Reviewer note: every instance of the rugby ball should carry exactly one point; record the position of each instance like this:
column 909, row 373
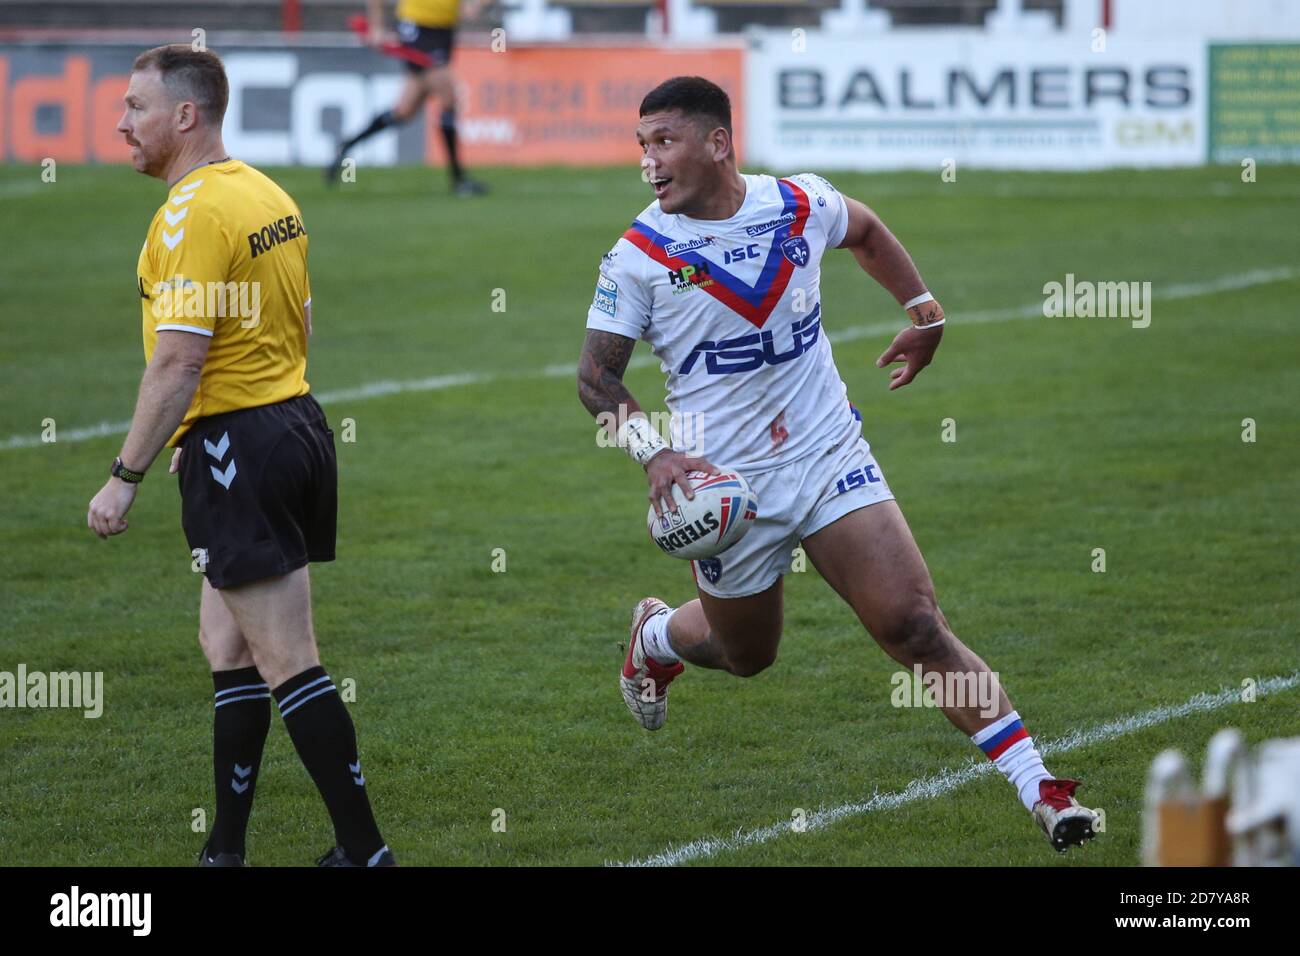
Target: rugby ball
column 723, row 509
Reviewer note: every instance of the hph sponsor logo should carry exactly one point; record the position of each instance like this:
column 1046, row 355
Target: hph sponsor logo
column 74, row 908
column 1103, row 300
column 178, row 299
column 953, row 689
column 690, row 277
column 72, row 689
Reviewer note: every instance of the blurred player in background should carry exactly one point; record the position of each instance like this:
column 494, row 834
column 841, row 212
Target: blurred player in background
column 721, row 276
column 427, row 26
column 225, row 384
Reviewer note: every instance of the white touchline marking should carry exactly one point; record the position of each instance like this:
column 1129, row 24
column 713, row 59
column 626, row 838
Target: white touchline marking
column 1188, row 290
column 950, row 778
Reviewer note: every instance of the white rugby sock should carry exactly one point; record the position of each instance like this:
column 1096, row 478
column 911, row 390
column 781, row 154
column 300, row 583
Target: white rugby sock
column 1012, row 750
column 654, row 638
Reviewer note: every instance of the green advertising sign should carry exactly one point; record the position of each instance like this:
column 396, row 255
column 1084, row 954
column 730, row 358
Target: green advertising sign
column 1254, row 102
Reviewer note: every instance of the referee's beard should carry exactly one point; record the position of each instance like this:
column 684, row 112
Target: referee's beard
column 157, row 157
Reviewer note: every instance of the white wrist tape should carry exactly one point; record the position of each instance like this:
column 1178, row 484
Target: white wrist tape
column 923, row 297
column 637, row 436
column 929, row 325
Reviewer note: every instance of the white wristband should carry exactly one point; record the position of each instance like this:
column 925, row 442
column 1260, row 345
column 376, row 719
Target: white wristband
column 923, row 297
column 929, row 325
column 639, row 439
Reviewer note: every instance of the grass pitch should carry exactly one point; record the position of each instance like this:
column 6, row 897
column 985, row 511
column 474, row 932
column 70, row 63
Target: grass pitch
column 479, row 691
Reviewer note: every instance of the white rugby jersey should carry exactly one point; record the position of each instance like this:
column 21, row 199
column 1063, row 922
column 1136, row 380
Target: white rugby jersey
column 732, row 309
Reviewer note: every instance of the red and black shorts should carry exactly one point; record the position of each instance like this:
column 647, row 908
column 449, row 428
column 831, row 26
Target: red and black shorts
column 259, row 491
column 436, row 42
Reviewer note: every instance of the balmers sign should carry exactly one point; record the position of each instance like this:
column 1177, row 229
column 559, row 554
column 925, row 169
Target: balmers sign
column 910, row 100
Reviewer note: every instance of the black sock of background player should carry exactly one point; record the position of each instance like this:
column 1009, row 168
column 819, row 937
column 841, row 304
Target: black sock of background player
column 380, row 123
column 240, row 720
column 325, row 739
column 448, row 126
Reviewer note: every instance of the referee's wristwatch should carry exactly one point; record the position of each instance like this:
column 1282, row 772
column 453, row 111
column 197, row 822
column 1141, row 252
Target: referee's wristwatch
column 120, row 470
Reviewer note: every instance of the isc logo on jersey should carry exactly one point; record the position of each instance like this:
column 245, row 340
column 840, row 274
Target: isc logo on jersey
column 717, row 517
column 746, row 353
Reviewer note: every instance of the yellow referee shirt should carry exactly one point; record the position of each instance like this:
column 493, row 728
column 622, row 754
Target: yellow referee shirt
column 429, row 13
column 226, row 257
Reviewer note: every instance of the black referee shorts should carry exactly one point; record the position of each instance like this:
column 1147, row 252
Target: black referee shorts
column 435, row 41
column 259, row 491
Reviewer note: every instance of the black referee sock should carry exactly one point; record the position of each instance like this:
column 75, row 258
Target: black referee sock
column 380, row 123
column 240, row 720
column 448, row 126
column 325, row 739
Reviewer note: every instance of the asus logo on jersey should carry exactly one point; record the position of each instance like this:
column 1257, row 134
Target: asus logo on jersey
column 688, row 277
column 746, row 353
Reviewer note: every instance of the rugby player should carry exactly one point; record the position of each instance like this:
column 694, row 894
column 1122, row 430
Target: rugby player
column 227, row 314
column 720, row 275
column 430, row 27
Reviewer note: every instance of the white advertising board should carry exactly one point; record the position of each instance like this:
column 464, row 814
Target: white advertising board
column 918, row 100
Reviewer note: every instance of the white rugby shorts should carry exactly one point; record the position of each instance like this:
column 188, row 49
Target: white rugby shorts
column 794, row 501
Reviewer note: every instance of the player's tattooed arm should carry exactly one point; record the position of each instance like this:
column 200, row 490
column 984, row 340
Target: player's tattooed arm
column 600, row 386
column 600, row 376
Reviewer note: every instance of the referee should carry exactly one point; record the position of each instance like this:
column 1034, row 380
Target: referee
column 430, row 27
column 227, row 312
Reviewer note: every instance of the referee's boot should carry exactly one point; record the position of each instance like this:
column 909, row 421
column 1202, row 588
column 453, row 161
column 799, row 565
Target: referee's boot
column 337, row 857
column 466, row 186
column 208, row 858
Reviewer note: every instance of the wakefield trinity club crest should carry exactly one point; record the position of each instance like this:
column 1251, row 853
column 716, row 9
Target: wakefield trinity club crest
column 796, row 250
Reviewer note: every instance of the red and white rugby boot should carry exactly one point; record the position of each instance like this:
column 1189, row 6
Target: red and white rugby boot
column 1065, row 822
column 644, row 681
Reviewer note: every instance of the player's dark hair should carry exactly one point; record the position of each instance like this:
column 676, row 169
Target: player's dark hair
column 694, row 96
column 190, row 74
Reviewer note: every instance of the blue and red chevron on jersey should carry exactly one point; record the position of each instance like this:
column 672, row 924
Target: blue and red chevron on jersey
column 753, row 303
column 737, row 300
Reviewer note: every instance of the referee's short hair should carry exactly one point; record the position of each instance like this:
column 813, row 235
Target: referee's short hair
column 190, row 74
column 695, row 96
